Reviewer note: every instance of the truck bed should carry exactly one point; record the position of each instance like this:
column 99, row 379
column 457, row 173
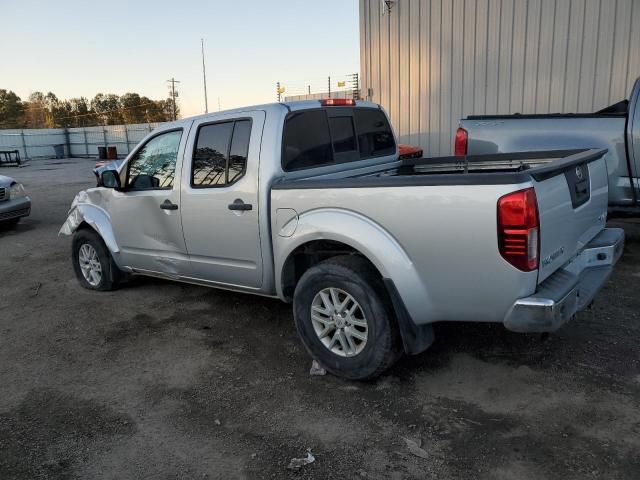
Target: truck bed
column 495, row 169
column 440, row 216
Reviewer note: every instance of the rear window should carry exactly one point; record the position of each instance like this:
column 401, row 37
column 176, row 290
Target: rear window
column 307, row 142
column 315, row 138
column 342, row 134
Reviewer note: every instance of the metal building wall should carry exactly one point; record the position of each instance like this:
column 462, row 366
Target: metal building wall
column 431, row 62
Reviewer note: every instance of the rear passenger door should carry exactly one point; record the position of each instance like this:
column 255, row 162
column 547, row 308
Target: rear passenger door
column 220, row 209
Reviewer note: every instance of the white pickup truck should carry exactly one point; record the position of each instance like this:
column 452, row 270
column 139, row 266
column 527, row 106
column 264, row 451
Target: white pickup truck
column 308, row 202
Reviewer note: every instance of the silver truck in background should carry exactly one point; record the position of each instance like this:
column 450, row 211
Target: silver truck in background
column 308, row 202
column 616, row 128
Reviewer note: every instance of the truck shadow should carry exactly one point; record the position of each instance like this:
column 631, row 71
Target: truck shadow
column 485, row 341
column 8, row 229
column 576, row 347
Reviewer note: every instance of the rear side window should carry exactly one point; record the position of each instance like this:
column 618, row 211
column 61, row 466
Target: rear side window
column 307, row 143
column 375, row 138
column 220, row 156
column 315, row 138
column 239, row 150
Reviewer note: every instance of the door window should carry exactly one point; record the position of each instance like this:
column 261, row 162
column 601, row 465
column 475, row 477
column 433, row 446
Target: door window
column 154, row 165
column 239, row 150
column 220, row 156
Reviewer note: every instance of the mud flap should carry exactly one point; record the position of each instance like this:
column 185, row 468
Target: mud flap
column 415, row 338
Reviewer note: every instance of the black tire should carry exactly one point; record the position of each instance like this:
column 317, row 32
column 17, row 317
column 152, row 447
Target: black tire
column 357, row 277
column 111, row 275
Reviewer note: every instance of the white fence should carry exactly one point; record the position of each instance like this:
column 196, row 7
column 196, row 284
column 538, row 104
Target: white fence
column 75, row 142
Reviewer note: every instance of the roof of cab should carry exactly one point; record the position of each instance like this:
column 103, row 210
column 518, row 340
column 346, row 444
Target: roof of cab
column 291, row 106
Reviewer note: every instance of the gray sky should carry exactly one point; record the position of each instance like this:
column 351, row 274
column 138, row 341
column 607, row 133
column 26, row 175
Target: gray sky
column 75, row 48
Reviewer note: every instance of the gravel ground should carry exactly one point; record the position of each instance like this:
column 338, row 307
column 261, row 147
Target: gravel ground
column 165, row 380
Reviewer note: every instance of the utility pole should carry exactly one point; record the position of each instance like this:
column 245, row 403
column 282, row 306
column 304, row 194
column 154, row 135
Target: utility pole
column 174, row 94
column 204, row 78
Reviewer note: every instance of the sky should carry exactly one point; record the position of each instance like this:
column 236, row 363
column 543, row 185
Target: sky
column 79, row 48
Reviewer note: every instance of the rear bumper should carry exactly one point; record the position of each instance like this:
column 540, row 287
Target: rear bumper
column 11, row 209
column 570, row 289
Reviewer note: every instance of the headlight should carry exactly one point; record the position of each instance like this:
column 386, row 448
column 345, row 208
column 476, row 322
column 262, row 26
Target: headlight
column 16, row 190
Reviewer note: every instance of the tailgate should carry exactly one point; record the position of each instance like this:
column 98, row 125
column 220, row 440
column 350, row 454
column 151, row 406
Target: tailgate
column 572, row 198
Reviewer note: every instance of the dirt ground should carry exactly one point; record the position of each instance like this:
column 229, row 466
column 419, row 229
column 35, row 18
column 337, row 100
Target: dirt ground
column 166, row 380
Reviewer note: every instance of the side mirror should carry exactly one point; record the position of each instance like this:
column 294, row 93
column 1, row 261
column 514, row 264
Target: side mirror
column 110, row 179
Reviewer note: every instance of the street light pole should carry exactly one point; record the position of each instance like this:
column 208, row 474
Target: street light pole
column 204, row 79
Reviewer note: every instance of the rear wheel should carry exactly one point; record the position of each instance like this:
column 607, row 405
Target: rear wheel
column 344, row 319
column 92, row 262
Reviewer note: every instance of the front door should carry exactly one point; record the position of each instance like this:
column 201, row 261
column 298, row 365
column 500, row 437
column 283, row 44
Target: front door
column 220, row 207
column 145, row 214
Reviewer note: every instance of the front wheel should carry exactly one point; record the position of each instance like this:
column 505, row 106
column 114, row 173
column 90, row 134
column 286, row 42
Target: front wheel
column 343, row 316
column 92, row 262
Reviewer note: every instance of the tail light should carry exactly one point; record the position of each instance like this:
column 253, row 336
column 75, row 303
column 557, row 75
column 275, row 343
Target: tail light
column 519, row 230
column 337, row 102
column 460, row 147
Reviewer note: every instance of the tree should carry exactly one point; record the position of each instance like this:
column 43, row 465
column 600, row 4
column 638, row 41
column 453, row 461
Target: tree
column 11, row 110
column 53, row 111
column 107, row 109
column 35, row 111
column 83, row 115
column 133, row 108
column 168, row 109
column 48, row 111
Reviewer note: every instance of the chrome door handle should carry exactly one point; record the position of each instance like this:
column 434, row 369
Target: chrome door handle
column 167, row 205
column 238, row 204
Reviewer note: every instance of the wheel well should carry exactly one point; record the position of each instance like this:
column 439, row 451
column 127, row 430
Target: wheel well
column 84, row 226
column 309, row 254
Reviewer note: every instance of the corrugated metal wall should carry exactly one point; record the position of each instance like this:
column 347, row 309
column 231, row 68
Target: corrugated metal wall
column 431, row 62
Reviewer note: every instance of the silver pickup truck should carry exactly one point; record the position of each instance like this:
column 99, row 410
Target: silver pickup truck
column 308, row 202
column 616, row 128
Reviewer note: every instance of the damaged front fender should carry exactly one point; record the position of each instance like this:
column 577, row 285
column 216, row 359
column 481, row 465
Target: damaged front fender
column 94, row 216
